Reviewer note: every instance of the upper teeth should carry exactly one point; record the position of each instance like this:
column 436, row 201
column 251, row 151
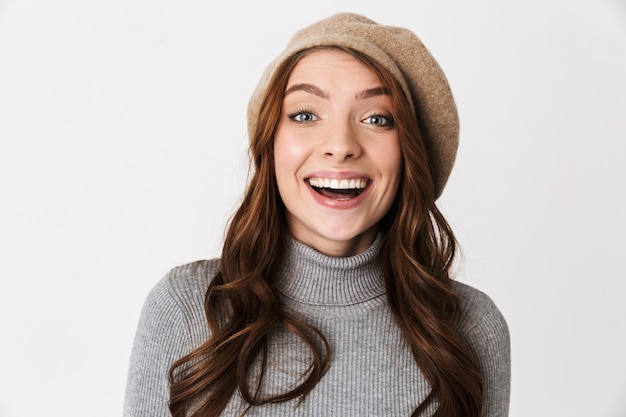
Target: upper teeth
column 338, row 184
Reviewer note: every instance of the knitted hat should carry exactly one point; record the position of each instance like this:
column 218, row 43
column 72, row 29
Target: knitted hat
column 407, row 59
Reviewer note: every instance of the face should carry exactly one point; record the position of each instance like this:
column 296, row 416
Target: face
column 337, row 153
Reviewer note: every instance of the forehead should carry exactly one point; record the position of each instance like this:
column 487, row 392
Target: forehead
column 332, row 64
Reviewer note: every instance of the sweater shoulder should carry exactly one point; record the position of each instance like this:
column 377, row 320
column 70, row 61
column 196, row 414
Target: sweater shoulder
column 186, row 285
column 171, row 324
column 486, row 332
column 477, row 310
column 190, row 281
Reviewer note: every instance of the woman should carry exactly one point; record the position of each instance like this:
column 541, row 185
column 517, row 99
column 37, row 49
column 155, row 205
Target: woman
column 333, row 293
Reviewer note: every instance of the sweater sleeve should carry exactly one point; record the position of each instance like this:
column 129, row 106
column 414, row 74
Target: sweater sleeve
column 159, row 341
column 487, row 333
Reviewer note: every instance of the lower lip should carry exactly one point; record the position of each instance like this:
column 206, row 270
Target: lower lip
column 338, row 204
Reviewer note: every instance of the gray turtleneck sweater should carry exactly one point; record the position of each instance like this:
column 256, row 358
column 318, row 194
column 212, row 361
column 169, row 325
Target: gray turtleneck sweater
column 372, row 373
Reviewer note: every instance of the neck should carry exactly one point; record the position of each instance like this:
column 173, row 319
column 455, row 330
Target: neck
column 337, row 247
column 311, row 277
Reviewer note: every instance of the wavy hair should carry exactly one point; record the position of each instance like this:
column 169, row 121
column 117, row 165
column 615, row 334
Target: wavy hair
column 243, row 309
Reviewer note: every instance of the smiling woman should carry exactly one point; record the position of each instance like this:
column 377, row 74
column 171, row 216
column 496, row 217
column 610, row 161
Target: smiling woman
column 333, row 294
column 337, row 153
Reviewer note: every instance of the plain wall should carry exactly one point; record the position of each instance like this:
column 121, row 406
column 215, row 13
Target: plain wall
column 123, row 154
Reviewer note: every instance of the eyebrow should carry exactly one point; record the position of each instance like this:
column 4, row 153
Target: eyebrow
column 309, row 88
column 372, row 92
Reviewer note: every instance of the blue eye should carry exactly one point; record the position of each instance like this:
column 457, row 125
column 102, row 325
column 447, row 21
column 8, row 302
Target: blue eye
column 379, row 120
column 303, row 117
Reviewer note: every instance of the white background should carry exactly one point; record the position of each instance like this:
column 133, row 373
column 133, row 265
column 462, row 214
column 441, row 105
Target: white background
column 122, row 154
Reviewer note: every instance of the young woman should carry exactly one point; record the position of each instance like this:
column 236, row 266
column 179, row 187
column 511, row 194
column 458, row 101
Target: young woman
column 333, row 294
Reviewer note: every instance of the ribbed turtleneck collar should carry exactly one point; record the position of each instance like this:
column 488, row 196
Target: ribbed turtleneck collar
column 310, row 277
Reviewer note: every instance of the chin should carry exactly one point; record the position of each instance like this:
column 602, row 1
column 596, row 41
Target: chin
column 350, row 236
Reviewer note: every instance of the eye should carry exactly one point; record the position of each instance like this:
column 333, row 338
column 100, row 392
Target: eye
column 379, row 120
column 303, row 116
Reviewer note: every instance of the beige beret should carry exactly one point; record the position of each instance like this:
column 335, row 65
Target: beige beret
column 407, row 59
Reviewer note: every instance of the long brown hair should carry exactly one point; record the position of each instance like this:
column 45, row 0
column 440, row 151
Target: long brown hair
column 243, row 308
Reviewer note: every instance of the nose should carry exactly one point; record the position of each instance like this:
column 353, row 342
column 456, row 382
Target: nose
column 341, row 143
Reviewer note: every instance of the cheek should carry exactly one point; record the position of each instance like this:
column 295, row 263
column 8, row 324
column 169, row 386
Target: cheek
column 390, row 162
column 394, row 175
column 287, row 159
column 290, row 150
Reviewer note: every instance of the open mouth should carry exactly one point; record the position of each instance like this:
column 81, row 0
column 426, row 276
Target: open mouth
column 339, row 189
